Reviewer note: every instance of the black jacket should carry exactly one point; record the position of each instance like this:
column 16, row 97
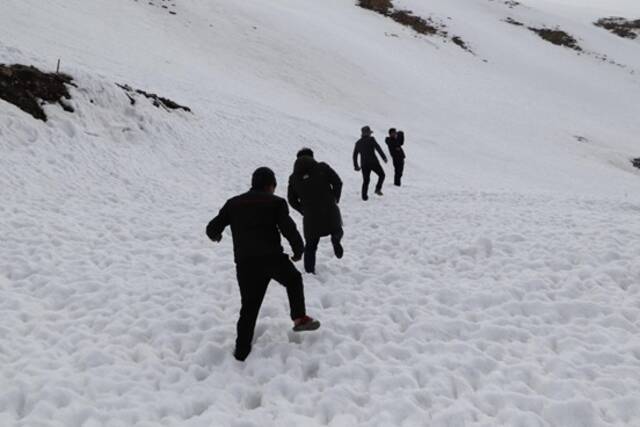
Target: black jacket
column 366, row 147
column 395, row 147
column 256, row 219
column 314, row 191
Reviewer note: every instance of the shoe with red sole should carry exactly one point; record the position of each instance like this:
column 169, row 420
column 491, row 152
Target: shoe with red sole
column 305, row 323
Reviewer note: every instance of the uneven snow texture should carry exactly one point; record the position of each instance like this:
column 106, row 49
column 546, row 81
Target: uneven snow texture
column 499, row 287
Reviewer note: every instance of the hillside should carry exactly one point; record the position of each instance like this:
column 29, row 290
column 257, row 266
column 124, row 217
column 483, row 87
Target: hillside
column 499, row 286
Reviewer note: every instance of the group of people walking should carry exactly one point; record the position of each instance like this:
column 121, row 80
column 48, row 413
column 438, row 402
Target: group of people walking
column 258, row 217
column 366, row 149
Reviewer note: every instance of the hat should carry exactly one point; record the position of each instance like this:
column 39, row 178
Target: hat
column 305, row 152
column 366, row 130
column 262, row 178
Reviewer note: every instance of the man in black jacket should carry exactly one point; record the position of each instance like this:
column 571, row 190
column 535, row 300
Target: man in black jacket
column 314, row 191
column 366, row 148
column 395, row 141
column 257, row 218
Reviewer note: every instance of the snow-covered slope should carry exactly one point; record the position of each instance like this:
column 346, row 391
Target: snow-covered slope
column 499, row 287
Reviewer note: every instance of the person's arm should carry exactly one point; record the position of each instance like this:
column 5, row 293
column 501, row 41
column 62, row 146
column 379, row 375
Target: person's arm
column 335, row 182
column 389, row 145
column 379, row 150
column 289, row 230
column 293, row 198
column 217, row 225
column 355, row 157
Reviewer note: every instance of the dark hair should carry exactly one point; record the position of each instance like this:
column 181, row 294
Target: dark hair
column 262, row 178
column 305, row 152
column 392, row 130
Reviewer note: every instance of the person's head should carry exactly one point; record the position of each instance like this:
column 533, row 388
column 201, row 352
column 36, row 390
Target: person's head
column 263, row 179
column 308, row 152
column 392, row 132
column 366, row 131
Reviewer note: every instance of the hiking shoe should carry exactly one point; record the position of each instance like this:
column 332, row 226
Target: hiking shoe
column 338, row 250
column 305, row 323
column 379, row 192
column 365, row 198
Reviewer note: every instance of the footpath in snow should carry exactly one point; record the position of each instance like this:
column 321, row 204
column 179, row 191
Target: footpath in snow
column 449, row 308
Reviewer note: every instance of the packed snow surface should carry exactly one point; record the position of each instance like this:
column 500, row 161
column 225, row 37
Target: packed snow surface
column 499, row 287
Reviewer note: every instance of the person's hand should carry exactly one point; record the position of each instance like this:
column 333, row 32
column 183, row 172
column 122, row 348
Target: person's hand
column 296, row 257
column 217, row 238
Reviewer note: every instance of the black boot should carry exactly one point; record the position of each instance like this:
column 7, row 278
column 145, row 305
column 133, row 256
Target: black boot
column 338, row 250
column 241, row 355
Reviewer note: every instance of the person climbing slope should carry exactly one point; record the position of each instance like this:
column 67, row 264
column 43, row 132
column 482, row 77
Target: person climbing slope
column 394, row 142
column 366, row 148
column 257, row 218
column 314, row 191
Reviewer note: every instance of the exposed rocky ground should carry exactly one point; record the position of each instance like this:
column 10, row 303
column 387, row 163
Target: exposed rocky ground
column 156, row 100
column 29, row 88
column 626, row 28
column 424, row 26
column 555, row 36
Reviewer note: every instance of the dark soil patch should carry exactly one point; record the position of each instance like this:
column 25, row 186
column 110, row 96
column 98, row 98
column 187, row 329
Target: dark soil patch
column 511, row 4
column 581, row 139
column 459, row 42
column 419, row 25
column 408, row 19
column 557, row 37
column 403, row 17
column 381, row 6
column 156, row 100
column 514, row 22
column 167, row 5
column 28, row 88
column 636, row 162
column 620, row 26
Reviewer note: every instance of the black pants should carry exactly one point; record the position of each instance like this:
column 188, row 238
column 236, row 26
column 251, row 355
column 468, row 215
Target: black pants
column 253, row 278
column 311, row 248
column 366, row 177
column 398, row 166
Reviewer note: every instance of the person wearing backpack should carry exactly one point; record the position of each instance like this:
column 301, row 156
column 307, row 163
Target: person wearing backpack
column 314, row 191
column 394, row 142
column 366, row 148
column 257, row 218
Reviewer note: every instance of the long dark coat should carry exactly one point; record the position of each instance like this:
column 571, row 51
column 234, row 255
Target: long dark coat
column 314, row 191
column 395, row 146
column 366, row 147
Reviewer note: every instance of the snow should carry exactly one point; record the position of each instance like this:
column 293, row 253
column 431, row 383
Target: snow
column 498, row 287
